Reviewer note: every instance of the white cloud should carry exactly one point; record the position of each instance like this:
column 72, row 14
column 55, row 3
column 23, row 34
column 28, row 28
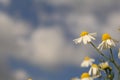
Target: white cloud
column 5, row 2
column 113, row 24
column 84, row 22
column 20, row 75
column 11, row 31
column 44, row 46
column 47, row 46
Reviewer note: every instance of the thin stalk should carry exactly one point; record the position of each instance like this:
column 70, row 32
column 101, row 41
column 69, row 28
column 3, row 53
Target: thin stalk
column 111, row 53
column 99, row 51
column 113, row 61
column 118, row 75
column 115, row 64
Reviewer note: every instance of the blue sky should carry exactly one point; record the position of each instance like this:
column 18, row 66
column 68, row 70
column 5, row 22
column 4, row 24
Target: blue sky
column 36, row 36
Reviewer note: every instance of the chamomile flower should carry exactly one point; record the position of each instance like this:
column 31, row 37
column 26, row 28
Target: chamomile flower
column 87, row 62
column 94, row 71
column 107, row 42
column 85, row 37
column 119, row 53
column 85, row 76
column 104, row 66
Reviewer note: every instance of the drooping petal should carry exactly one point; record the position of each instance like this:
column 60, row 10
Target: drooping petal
column 88, row 38
column 90, row 71
column 84, row 40
column 119, row 53
column 78, row 40
column 85, row 64
column 91, row 37
column 100, row 46
column 92, row 60
column 109, row 42
column 95, row 70
column 113, row 43
column 93, row 34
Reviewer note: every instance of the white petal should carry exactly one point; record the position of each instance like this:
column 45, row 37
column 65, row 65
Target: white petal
column 113, row 43
column 93, row 34
column 92, row 60
column 95, row 70
column 119, row 54
column 109, row 42
column 82, row 64
column 106, row 63
column 91, row 37
column 84, row 40
column 85, row 64
column 90, row 71
column 106, row 45
column 88, row 39
column 87, row 79
column 100, row 46
column 78, row 40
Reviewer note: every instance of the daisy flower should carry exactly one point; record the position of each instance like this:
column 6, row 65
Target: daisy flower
column 85, row 76
column 94, row 71
column 85, row 37
column 119, row 53
column 87, row 62
column 104, row 66
column 107, row 42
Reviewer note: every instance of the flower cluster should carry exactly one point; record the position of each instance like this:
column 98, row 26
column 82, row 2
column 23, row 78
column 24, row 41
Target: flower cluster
column 96, row 70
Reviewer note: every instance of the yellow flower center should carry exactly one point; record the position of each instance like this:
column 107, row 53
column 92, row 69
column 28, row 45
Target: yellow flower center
column 104, row 66
column 105, row 36
column 87, row 58
column 85, row 75
column 83, row 33
column 94, row 66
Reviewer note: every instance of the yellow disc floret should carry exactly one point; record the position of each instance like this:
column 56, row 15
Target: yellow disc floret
column 85, row 75
column 105, row 36
column 94, row 66
column 87, row 58
column 104, row 66
column 83, row 33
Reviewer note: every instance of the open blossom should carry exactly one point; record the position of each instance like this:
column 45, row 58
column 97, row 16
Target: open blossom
column 107, row 42
column 87, row 62
column 85, row 76
column 85, row 37
column 94, row 71
column 104, row 66
column 119, row 53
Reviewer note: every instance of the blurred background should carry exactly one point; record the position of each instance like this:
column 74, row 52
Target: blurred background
column 36, row 36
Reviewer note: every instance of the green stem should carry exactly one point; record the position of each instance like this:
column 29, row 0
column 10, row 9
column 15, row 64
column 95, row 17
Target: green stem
column 113, row 61
column 99, row 51
column 118, row 75
column 115, row 64
column 111, row 53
